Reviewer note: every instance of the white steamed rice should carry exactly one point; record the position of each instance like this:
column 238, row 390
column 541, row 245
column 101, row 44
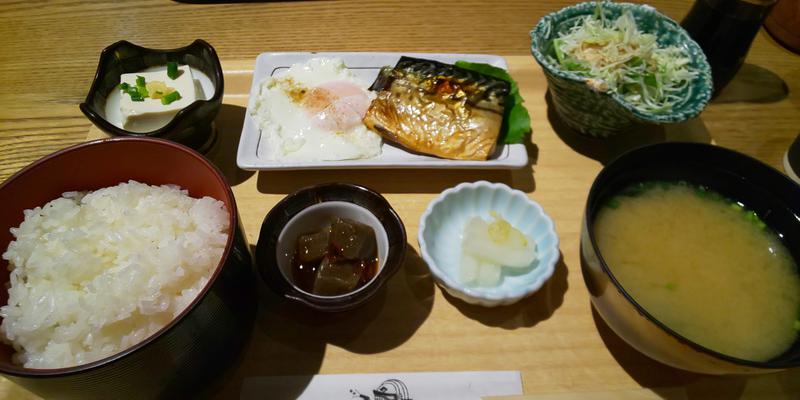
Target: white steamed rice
column 95, row 273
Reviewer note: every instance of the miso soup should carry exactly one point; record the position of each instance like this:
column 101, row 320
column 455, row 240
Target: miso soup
column 704, row 266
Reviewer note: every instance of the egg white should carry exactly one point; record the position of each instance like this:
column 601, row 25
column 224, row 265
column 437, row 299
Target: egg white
column 288, row 133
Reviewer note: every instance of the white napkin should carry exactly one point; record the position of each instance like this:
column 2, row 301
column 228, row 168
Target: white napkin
column 467, row 385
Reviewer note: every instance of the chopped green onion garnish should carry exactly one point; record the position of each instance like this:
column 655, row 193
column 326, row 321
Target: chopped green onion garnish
column 701, row 191
column 671, row 286
column 141, row 86
column 172, row 69
column 174, row 96
column 131, row 91
column 797, row 325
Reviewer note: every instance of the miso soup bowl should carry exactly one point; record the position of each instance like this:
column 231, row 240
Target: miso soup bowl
column 198, row 344
column 773, row 196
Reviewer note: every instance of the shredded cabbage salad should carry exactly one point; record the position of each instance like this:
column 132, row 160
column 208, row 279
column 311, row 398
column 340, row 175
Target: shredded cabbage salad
column 616, row 56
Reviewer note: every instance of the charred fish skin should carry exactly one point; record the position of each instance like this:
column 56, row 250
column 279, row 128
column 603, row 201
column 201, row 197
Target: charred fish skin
column 438, row 109
column 482, row 91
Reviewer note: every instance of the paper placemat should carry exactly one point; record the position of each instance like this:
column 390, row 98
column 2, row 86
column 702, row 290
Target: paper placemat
column 467, row 385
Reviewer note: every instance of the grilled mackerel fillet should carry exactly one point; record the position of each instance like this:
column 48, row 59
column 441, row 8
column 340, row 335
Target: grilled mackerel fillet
column 438, row 109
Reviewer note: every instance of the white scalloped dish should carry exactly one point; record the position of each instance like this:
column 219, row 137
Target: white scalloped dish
column 440, row 236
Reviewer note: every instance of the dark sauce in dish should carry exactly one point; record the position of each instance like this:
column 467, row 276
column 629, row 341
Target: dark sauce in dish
column 335, row 260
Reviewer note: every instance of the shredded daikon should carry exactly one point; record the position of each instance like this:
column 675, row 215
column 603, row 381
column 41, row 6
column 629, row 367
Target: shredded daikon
column 615, row 56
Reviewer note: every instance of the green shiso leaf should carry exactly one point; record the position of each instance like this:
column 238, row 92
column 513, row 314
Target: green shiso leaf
column 516, row 121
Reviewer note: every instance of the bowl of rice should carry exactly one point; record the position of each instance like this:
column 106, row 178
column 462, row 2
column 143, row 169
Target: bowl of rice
column 125, row 271
column 610, row 66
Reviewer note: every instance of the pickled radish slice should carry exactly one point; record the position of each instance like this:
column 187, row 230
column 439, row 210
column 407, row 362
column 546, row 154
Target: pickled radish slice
column 498, row 242
column 487, row 247
column 489, row 274
column 468, row 273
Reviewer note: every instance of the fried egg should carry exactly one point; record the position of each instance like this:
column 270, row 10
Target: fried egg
column 313, row 112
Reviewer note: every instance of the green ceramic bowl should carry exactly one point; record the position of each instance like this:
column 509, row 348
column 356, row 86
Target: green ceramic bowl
column 602, row 114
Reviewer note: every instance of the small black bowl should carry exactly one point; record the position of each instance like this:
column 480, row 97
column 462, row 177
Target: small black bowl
column 311, row 208
column 773, row 196
column 191, row 126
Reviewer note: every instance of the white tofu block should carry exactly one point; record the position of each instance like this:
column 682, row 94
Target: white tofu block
column 150, row 114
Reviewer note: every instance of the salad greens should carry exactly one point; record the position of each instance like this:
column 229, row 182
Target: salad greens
column 516, row 120
column 617, row 57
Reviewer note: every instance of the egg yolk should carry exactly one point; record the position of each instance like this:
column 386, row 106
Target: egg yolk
column 336, row 106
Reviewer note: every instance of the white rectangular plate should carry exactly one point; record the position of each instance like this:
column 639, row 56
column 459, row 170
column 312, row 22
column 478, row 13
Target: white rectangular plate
column 365, row 66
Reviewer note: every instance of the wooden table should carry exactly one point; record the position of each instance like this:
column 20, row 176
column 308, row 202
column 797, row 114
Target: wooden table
column 49, row 54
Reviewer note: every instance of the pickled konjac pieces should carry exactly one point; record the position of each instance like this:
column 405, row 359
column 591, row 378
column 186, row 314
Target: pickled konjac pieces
column 354, row 240
column 335, row 260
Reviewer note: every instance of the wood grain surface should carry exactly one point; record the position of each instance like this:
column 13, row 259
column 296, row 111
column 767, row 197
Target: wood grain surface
column 48, row 58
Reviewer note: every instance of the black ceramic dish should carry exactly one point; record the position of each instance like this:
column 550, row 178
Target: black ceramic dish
column 192, row 126
column 277, row 219
column 199, row 343
column 791, row 160
column 774, row 197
